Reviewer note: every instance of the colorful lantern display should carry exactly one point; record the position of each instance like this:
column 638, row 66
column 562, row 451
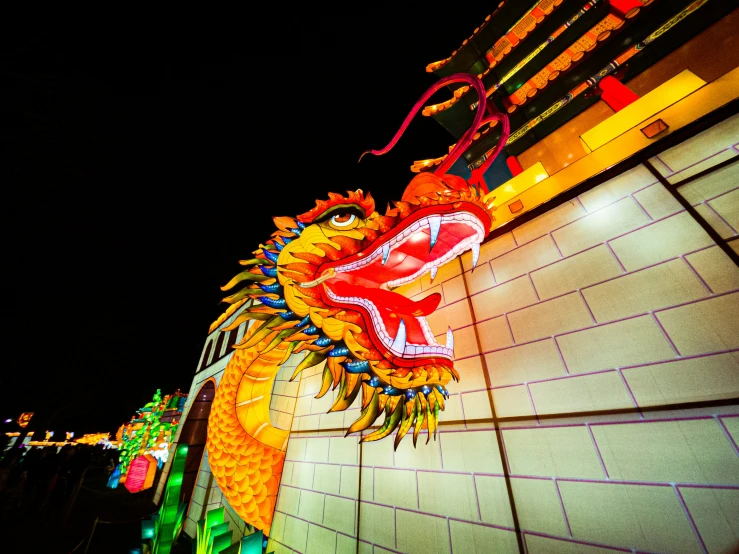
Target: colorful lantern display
column 161, row 531
column 322, row 285
column 150, row 430
column 213, row 536
column 93, row 438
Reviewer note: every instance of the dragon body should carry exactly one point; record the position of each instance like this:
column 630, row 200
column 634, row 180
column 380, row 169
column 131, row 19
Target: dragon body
column 322, row 285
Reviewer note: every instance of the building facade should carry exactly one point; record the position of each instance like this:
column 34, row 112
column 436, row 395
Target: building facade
column 597, row 338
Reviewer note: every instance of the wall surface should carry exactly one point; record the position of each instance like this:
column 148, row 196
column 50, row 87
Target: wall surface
column 601, row 338
column 598, row 346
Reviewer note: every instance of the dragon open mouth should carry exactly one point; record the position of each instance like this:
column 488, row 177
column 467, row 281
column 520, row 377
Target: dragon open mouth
column 422, row 243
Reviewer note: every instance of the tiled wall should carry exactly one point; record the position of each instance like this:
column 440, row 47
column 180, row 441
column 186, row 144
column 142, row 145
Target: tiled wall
column 603, row 337
column 715, row 196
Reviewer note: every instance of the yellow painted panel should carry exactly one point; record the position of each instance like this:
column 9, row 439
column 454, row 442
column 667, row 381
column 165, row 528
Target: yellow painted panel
column 521, row 182
column 703, row 101
column 669, row 92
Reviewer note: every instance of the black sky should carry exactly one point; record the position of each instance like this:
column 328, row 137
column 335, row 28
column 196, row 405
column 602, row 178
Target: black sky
column 143, row 157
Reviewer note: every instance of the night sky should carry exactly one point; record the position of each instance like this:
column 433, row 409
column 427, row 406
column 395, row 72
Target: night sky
column 144, row 156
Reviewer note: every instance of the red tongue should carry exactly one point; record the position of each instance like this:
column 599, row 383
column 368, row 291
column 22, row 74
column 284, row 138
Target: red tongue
column 391, row 301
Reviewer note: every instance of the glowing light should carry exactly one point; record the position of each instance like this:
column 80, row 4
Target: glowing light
column 150, row 430
column 161, row 531
column 114, row 478
column 668, row 93
column 141, row 473
column 25, row 419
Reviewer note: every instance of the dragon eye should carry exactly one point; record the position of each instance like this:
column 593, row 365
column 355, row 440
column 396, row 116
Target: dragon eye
column 342, row 219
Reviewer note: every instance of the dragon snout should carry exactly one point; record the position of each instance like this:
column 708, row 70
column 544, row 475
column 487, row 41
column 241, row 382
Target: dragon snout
column 425, row 184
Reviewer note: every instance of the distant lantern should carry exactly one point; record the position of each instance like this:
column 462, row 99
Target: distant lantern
column 25, row 419
column 141, row 473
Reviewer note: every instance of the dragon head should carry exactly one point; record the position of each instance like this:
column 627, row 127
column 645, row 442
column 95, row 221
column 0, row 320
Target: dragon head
column 325, row 279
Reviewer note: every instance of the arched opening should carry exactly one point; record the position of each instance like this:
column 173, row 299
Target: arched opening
column 204, row 363
column 219, row 344
column 231, row 341
column 194, row 433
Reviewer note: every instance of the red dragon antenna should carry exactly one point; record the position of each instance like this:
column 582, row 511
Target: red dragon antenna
column 466, row 139
column 495, row 115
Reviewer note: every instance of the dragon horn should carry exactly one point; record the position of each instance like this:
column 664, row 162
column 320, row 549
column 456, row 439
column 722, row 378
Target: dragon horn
column 466, row 139
column 504, row 134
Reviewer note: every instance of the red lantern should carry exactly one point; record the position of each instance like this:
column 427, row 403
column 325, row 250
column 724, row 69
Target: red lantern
column 616, row 94
column 514, row 165
column 141, row 473
column 626, row 8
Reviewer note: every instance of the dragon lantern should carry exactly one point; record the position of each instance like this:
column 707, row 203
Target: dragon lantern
column 323, row 285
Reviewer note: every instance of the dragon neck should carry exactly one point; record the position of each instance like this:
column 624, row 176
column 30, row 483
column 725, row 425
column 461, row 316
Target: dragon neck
column 250, row 375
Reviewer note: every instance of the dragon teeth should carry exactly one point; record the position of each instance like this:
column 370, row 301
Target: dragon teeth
column 434, row 226
column 475, row 253
column 399, row 342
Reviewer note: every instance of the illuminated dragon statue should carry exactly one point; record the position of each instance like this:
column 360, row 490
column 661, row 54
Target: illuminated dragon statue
column 323, row 286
